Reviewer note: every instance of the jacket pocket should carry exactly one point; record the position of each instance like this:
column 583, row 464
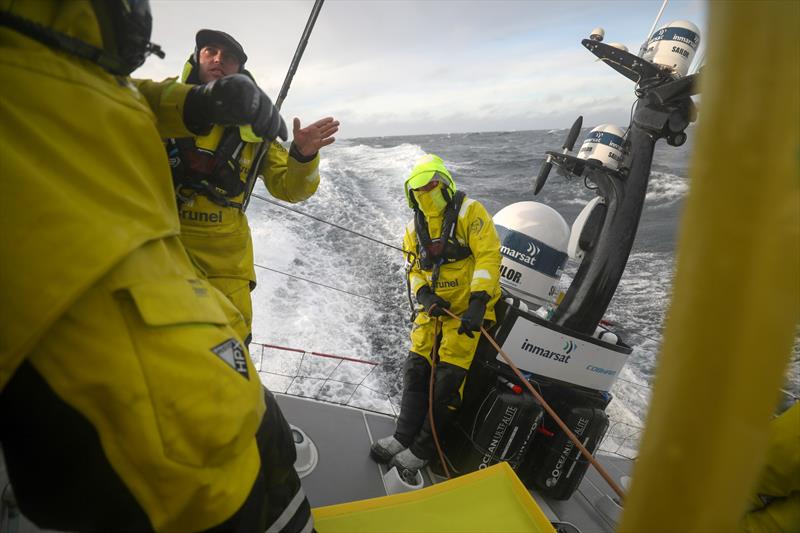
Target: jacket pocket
column 204, row 390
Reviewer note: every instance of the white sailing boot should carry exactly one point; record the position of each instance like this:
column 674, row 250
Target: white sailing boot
column 384, row 449
column 406, row 460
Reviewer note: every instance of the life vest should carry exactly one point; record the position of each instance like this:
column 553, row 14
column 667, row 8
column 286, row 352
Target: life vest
column 213, row 174
column 445, row 248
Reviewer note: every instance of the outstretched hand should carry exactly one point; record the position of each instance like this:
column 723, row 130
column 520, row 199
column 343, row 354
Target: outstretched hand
column 311, row 138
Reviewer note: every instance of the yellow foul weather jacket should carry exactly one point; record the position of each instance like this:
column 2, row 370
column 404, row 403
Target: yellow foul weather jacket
column 218, row 237
column 776, row 507
column 478, row 272
column 100, row 307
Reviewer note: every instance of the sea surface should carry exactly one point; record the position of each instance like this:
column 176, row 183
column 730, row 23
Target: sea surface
column 301, row 262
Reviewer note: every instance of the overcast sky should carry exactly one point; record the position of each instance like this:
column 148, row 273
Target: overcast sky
column 400, row 67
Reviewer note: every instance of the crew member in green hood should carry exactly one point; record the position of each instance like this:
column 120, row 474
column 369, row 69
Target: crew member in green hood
column 455, row 266
column 213, row 174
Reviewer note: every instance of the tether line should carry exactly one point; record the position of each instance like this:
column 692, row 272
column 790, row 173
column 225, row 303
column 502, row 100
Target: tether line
column 273, row 202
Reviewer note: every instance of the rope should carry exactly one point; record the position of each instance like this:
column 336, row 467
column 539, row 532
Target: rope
column 602, row 471
column 318, row 283
column 434, row 358
column 273, row 202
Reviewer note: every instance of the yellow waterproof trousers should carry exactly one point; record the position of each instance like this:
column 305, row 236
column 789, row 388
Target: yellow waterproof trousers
column 454, row 348
column 223, row 253
column 238, row 293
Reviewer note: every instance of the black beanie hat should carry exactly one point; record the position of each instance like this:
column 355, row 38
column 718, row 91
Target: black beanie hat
column 206, row 37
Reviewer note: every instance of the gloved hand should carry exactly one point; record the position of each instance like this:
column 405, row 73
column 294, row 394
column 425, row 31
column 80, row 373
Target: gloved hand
column 231, row 101
column 472, row 319
column 427, row 299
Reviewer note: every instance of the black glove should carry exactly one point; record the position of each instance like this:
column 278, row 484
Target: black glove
column 229, row 101
column 472, row 319
column 428, row 299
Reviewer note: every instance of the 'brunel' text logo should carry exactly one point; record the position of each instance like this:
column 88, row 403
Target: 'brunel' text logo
column 547, row 354
column 200, row 216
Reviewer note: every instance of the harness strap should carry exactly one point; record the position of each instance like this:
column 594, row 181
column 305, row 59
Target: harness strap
column 213, row 174
column 446, row 248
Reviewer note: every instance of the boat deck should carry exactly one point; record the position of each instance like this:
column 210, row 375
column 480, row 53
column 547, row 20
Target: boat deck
column 345, row 472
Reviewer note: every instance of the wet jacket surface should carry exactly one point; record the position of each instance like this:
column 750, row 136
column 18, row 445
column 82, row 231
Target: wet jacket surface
column 218, row 238
column 478, row 272
column 103, row 320
column 776, row 508
column 80, row 201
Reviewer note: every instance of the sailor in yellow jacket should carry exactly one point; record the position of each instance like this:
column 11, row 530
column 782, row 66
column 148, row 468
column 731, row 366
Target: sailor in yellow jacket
column 455, row 265
column 127, row 400
column 776, row 506
column 213, row 175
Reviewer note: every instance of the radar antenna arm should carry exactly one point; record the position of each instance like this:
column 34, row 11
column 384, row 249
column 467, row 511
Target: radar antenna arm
column 599, row 274
column 662, row 112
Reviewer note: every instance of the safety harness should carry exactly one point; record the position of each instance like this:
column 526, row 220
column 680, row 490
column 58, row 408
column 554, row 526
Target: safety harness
column 445, row 248
column 433, row 253
column 213, row 174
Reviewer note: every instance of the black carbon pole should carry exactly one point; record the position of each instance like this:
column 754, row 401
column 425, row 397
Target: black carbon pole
column 298, row 54
column 287, row 82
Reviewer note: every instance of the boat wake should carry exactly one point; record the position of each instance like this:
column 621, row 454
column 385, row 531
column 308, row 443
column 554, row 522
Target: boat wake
column 361, row 311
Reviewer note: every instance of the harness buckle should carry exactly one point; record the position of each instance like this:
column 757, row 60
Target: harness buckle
column 188, row 201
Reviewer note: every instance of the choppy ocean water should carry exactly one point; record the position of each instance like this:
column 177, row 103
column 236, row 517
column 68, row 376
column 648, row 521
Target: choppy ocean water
column 362, row 189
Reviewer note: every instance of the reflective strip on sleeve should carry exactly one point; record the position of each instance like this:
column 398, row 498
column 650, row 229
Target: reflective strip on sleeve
column 309, row 527
column 481, row 274
column 288, row 514
column 464, row 206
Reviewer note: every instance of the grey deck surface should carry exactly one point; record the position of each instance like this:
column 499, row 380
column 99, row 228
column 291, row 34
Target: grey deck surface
column 345, row 471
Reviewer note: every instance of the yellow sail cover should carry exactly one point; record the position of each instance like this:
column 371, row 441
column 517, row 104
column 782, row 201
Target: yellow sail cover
column 493, row 499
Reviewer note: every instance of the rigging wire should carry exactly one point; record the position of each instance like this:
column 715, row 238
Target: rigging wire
column 297, row 211
column 318, row 283
column 619, row 378
column 292, row 209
